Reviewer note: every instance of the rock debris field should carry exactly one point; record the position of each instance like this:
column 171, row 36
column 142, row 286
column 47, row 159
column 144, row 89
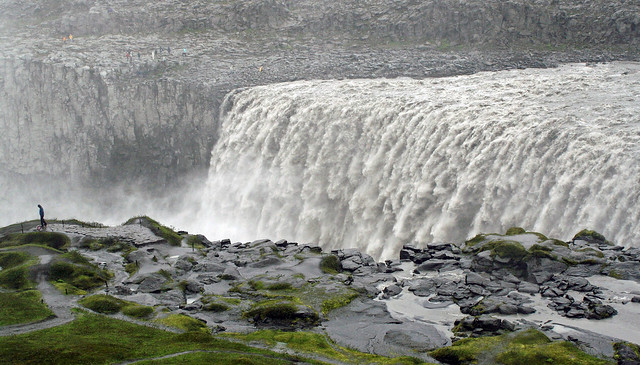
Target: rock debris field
column 586, row 291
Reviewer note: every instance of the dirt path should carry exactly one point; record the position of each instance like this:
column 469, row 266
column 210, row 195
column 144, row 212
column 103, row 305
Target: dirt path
column 57, row 302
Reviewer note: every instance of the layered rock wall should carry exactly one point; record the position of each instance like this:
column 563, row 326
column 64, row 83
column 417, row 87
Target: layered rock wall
column 74, row 122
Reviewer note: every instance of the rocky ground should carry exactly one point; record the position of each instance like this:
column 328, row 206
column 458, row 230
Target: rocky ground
column 586, row 291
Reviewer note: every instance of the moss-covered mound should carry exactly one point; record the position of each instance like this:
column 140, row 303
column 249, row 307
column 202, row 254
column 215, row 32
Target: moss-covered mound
column 525, row 347
column 107, row 304
column 50, row 239
column 76, row 271
column 282, row 313
column 330, row 264
column 15, row 270
column 184, row 323
column 22, row 307
column 591, row 237
column 172, row 237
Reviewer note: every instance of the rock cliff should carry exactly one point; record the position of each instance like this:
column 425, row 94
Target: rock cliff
column 112, row 90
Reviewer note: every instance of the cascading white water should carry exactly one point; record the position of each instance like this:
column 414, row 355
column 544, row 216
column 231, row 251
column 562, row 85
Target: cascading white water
column 375, row 164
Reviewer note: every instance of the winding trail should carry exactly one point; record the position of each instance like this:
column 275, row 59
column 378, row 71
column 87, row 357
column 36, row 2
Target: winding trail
column 57, row 302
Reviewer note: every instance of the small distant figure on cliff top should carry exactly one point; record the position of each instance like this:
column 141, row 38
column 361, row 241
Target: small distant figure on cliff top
column 260, row 69
column 169, row 50
column 64, row 39
column 153, row 54
column 43, row 223
column 70, row 37
column 184, row 51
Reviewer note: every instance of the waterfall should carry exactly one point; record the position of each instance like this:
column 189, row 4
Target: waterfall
column 376, row 164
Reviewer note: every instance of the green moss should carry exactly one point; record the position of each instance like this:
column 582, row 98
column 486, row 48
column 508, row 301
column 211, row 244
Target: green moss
column 84, row 277
column 183, row 322
column 76, row 257
column 131, row 268
column 526, row 347
column 541, row 251
column 330, row 264
column 227, row 277
column 13, row 259
column 338, row 301
column 548, row 353
column 618, row 346
column 515, row 231
column 16, row 278
column 475, row 240
column 560, row 243
column 280, row 286
column 49, row 239
column 215, row 307
column 593, row 251
column 166, row 274
column 590, row 236
column 506, row 249
column 317, row 344
column 256, row 284
column 272, row 310
column 102, row 303
column 569, row 261
column 96, row 339
column 68, row 289
column 616, row 275
column 22, row 307
column 137, row 311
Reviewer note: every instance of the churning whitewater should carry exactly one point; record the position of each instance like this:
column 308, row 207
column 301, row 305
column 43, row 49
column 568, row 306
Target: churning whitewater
column 375, row 164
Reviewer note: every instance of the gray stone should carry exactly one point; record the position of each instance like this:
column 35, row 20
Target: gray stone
column 429, row 266
column 269, row 261
column 391, row 290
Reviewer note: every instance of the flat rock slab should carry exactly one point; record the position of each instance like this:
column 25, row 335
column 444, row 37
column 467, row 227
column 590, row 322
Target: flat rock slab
column 133, row 233
column 369, row 327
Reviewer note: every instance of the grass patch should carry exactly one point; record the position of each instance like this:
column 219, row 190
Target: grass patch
column 81, row 276
column 272, row 309
column 131, row 268
column 476, row 239
column 314, row 343
column 67, row 288
column 95, row 339
column 219, row 358
column 102, row 303
column 280, row 286
column 515, row 231
column 591, row 236
column 13, row 259
column 527, row 347
column 137, row 311
column 50, row 239
column 541, row 251
column 215, row 307
column 16, row 278
column 330, row 264
column 22, row 307
column 183, row 322
column 338, row 301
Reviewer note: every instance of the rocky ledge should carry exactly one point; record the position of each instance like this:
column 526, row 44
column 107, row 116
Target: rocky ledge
column 585, row 291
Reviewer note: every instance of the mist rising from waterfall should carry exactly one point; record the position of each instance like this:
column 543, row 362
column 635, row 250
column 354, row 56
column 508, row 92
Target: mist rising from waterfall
column 375, row 164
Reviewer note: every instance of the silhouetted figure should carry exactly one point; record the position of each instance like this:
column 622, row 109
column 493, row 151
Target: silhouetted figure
column 43, row 223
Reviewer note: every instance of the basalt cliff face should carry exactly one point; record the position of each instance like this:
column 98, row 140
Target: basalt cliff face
column 70, row 121
column 135, row 94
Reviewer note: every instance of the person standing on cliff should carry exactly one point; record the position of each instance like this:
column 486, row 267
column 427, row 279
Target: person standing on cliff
column 43, row 223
